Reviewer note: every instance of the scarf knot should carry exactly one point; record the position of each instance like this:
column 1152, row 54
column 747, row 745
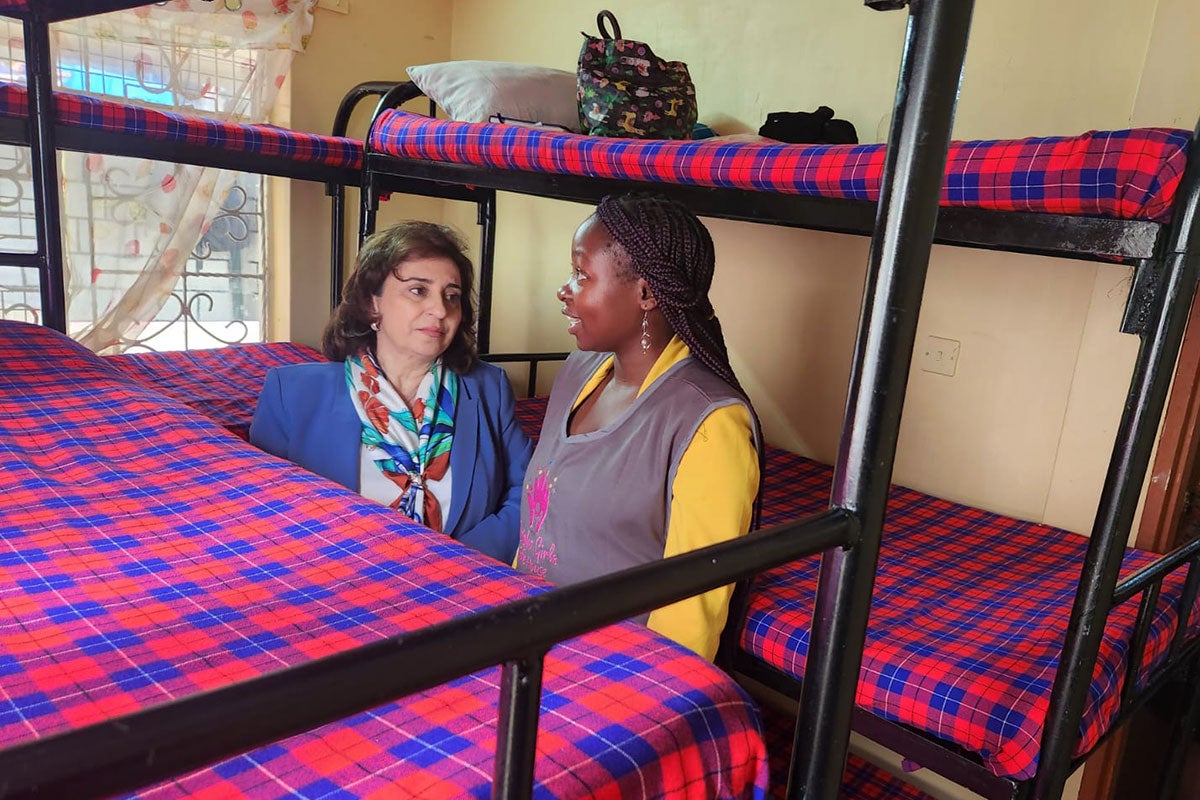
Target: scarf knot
column 410, row 447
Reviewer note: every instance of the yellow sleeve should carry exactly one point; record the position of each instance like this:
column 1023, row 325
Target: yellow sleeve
column 712, row 500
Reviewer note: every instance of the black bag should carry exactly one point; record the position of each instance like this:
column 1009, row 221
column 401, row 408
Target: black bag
column 808, row 127
column 624, row 90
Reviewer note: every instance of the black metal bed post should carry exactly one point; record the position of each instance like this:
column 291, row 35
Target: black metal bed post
column 337, row 191
column 337, row 241
column 368, row 202
column 43, row 157
column 368, row 196
column 1180, row 254
column 486, row 217
column 926, row 93
column 517, row 727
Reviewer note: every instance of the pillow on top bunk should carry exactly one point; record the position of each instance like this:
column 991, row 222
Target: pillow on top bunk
column 472, row 91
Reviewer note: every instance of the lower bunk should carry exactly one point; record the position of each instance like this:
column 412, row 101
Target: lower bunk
column 148, row 555
column 969, row 613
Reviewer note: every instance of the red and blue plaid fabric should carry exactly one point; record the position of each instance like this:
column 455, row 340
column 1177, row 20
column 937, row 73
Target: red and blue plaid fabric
column 967, row 622
column 223, row 383
column 1131, row 174
column 862, row 780
column 90, row 113
column 145, row 554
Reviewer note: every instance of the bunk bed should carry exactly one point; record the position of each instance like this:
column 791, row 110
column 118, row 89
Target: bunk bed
column 973, row 613
column 108, row 552
column 1164, row 259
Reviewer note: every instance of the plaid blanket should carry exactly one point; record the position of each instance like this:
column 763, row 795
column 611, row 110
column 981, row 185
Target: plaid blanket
column 967, row 622
column 1130, row 174
column 223, row 383
column 266, row 140
column 146, row 554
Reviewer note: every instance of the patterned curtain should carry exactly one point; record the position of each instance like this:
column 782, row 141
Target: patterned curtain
column 130, row 224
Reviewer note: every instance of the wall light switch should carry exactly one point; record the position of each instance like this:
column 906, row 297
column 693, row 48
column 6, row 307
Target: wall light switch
column 340, row 6
column 938, row 355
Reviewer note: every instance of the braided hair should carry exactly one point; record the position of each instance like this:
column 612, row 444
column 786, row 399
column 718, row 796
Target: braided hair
column 669, row 247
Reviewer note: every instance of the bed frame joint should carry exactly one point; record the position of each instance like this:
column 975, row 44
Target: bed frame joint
column 1144, row 298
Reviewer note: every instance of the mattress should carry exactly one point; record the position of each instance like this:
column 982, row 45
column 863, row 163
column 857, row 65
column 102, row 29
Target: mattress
column 146, row 554
column 223, row 383
column 967, row 623
column 90, row 113
column 1127, row 174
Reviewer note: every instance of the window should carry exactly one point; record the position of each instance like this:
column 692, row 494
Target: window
column 127, row 221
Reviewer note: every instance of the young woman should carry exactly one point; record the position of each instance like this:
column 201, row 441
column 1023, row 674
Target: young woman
column 407, row 414
column 648, row 447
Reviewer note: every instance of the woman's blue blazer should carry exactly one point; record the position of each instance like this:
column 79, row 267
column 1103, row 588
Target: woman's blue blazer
column 306, row 416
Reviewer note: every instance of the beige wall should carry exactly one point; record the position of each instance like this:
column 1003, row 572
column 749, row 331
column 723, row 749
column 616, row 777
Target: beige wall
column 1026, row 423
column 375, row 41
column 1170, row 82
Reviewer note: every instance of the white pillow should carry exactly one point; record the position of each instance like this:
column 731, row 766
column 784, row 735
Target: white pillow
column 472, row 91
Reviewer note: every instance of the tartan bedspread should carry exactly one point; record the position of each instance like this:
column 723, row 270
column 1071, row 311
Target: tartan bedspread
column 1130, row 174
column 145, row 554
column 223, row 383
column 91, row 113
column 967, row 622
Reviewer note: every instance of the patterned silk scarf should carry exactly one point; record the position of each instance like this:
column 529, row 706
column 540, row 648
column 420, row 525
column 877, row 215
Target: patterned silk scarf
column 410, row 448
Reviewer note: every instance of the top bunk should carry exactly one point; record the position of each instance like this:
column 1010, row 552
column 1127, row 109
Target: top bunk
column 96, row 125
column 58, row 10
column 1100, row 194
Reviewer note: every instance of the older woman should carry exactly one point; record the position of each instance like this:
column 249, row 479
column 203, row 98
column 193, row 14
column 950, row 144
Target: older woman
column 648, row 447
column 406, row 415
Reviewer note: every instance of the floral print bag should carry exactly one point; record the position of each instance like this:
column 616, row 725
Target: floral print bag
column 626, row 91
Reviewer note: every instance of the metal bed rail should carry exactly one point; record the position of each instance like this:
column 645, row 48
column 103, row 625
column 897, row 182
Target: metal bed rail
column 1148, row 581
column 49, row 253
column 926, row 93
column 141, row 748
column 532, row 359
column 1179, row 262
column 1012, row 231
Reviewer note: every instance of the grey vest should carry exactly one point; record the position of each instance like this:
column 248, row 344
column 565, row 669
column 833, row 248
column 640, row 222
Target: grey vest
column 598, row 502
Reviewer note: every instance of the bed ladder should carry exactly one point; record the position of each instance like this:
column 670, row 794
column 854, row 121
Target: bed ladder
column 47, row 259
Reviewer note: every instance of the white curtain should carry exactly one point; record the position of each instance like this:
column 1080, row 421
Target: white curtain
column 130, row 224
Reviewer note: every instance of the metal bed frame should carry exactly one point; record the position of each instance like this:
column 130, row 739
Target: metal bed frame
column 149, row 745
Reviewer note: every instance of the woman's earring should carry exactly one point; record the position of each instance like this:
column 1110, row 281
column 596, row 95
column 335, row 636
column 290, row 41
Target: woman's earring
column 645, row 331
column 375, row 325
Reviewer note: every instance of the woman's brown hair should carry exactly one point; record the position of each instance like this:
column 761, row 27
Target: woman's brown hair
column 349, row 333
